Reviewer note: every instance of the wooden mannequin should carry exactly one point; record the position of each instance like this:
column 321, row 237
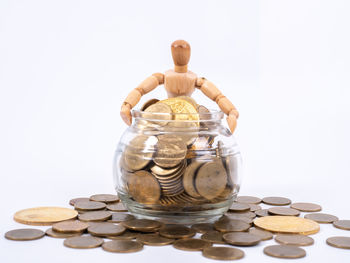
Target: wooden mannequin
column 180, row 82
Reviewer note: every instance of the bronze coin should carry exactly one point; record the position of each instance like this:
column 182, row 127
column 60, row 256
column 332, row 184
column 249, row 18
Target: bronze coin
column 263, row 234
column 122, row 246
column 79, row 199
column 142, row 225
column 213, row 237
column 106, row 229
column 274, row 200
column 248, row 214
column 144, row 187
column 211, row 179
column 237, row 216
column 127, row 235
column 89, row 205
column 262, row 212
column 339, row 242
column 283, row 211
column 95, row 216
column 233, row 225
column 117, row 207
column 191, row 244
column 148, row 103
column 254, row 207
column 176, row 231
column 154, row 240
column 83, row 242
column 188, row 178
column 70, row 226
column 306, row 207
column 52, row 233
column 342, row 224
column 239, row 207
column 322, row 218
column 203, row 227
column 120, row 217
column 294, row 240
column 284, row 251
column 241, row 239
column 24, row 234
column 166, row 172
column 104, row 198
column 223, row 253
column 248, row 200
column 171, row 150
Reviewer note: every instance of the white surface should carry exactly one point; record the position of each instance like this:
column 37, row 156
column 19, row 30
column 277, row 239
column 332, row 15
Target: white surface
column 66, row 66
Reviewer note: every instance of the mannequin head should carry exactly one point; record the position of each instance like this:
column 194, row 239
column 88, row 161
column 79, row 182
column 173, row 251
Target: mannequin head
column 181, row 52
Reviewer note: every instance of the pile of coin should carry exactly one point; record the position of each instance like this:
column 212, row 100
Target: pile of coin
column 93, row 224
column 179, row 164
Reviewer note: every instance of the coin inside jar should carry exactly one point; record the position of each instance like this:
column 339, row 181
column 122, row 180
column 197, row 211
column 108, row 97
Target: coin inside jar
column 158, row 111
column 104, row 198
column 148, row 103
column 142, row 225
column 211, row 179
column 70, row 226
column 171, row 150
column 188, row 178
column 144, row 187
column 122, row 246
column 191, row 244
column 83, row 242
column 223, row 253
column 241, row 239
column 176, row 231
column 24, row 234
column 154, row 240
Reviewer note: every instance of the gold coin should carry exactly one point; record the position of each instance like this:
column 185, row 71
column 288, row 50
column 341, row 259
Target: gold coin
column 24, row 234
column 104, row 198
column 176, row 231
column 144, row 187
column 211, row 179
column 189, row 99
column 223, row 253
column 284, row 251
column 158, row 113
column 95, row 216
column 294, row 239
column 188, row 178
column 52, row 233
column 191, row 244
column 213, row 237
column 83, row 242
column 142, row 225
column 70, row 226
column 182, row 109
column 122, row 246
column 148, row 103
column 287, row 224
column 106, row 229
column 171, row 151
column 42, row 216
column 154, row 240
column 138, row 153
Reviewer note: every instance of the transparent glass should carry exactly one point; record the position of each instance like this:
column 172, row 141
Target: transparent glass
column 177, row 168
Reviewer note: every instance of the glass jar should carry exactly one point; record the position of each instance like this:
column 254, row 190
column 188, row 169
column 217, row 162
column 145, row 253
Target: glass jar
column 177, row 169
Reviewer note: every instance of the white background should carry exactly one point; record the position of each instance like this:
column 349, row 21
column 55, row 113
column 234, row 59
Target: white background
column 66, row 66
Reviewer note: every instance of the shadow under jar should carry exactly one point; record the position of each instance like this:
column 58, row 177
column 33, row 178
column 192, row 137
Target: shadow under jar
column 177, row 167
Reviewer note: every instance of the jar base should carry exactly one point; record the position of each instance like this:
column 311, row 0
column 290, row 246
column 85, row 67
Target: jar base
column 194, row 214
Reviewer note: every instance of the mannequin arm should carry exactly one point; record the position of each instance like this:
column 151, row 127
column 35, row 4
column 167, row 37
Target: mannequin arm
column 135, row 95
column 212, row 92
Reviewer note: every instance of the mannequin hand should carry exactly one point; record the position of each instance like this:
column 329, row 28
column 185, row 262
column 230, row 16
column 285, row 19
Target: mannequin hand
column 232, row 121
column 125, row 113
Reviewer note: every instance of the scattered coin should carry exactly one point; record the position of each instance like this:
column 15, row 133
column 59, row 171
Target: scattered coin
column 70, row 226
column 144, row 187
column 306, row 207
column 122, row 246
column 213, row 237
column 284, row 251
column 237, row 216
column 43, row 216
column 176, row 231
column 241, row 239
column 273, row 200
column 95, row 216
column 294, row 240
column 287, row 224
column 254, row 207
column 342, row 224
column 126, row 235
column 154, row 240
column 248, row 199
column 142, row 225
column 233, row 225
column 223, row 253
column 246, row 214
column 202, row 227
column 83, row 242
column 239, row 207
column 89, row 205
column 322, row 218
column 52, row 233
column 283, row 211
column 24, row 234
column 104, row 198
column 120, row 217
column 118, row 207
column 79, row 199
column 106, row 229
column 262, row 212
column 191, row 244
column 339, row 242
column 263, row 234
